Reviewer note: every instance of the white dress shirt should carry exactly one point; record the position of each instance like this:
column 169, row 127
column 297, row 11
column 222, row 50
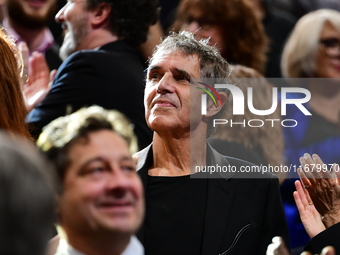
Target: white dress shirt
column 134, row 248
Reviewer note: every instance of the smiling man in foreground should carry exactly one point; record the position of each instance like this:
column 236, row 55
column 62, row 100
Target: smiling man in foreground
column 101, row 204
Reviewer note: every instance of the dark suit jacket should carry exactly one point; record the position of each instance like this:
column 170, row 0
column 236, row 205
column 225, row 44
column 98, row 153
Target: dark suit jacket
column 242, row 214
column 328, row 237
column 52, row 57
column 111, row 77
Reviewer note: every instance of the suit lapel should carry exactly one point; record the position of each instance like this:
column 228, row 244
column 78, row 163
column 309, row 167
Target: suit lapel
column 220, row 195
column 145, row 161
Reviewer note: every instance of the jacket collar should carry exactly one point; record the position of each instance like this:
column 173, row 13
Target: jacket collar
column 118, row 46
column 220, row 195
column 145, row 161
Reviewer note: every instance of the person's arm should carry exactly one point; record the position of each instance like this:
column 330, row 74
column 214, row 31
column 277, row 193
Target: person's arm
column 310, row 217
column 328, row 237
column 323, row 192
column 323, row 187
column 39, row 80
column 73, row 87
column 329, row 250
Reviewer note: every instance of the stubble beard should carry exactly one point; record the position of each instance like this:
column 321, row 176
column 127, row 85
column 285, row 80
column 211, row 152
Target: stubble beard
column 74, row 37
column 18, row 16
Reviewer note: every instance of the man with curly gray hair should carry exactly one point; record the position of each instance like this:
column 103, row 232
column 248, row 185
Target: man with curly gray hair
column 191, row 209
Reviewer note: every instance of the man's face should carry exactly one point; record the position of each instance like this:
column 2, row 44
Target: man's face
column 74, row 19
column 328, row 56
column 167, row 92
column 31, row 14
column 102, row 191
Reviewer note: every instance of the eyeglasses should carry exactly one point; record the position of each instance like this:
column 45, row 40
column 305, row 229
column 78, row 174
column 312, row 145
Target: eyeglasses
column 331, row 46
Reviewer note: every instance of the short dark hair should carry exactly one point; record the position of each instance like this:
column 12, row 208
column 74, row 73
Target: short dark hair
column 130, row 19
column 212, row 65
column 27, row 198
column 62, row 133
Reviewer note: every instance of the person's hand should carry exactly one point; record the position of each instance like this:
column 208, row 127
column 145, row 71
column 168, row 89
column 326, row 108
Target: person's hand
column 39, row 82
column 329, row 250
column 277, row 247
column 310, row 217
column 24, row 51
column 323, row 187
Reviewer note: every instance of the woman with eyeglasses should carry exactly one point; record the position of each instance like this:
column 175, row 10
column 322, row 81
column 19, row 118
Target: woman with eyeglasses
column 312, row 52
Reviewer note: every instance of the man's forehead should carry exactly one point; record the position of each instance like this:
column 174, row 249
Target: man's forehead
column 101, row 139
column 175, row 58
column 174, row 55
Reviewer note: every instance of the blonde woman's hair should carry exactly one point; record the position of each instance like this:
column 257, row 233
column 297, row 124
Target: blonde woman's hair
column 300, row 52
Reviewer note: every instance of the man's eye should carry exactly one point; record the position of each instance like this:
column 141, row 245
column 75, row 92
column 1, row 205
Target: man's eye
column 182, row 78
column 129, row 168
column 154, row 76
column 96, row 170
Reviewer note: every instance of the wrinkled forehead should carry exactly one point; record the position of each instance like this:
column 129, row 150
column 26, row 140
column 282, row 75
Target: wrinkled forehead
column 175, row 58
column 104, row 144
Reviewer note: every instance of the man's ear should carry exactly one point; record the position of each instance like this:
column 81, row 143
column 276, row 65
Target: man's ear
column 213, row 109
column 100, row 14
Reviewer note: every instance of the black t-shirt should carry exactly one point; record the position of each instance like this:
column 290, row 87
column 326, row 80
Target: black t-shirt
column 170, row 227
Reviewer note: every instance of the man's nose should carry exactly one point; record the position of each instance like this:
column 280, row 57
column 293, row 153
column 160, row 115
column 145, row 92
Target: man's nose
column 59, row 17
column 118, row 184
column 166, row 84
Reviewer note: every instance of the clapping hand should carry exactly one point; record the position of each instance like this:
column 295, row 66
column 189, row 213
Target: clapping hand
column 323, row 187
column 36, row 77
column 310, row 217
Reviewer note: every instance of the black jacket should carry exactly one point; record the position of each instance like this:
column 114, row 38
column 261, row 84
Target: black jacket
column 244, row 212
column 111, row 77
column 328, row 237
